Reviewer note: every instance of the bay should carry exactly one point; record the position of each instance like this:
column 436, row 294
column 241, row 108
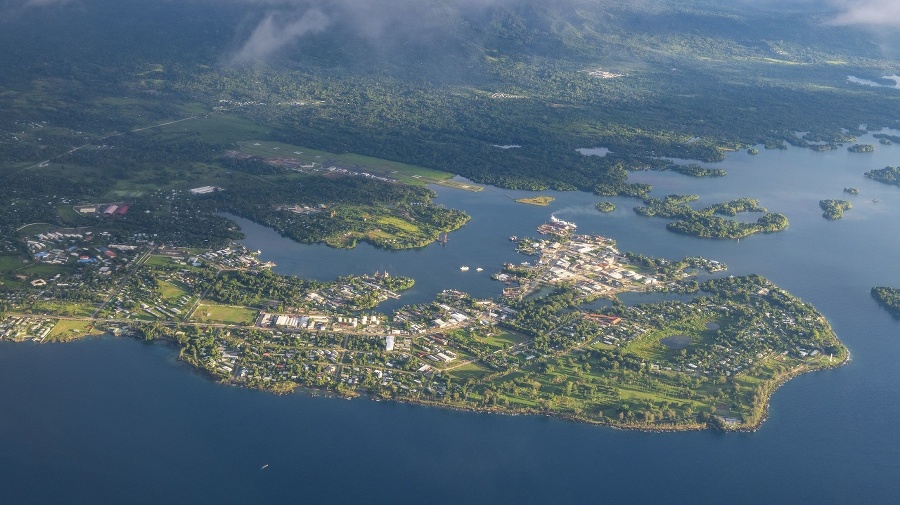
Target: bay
column 119, row 421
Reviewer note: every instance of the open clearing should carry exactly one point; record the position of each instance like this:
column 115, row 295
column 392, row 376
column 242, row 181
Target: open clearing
column 226, row 314
column 403, row 172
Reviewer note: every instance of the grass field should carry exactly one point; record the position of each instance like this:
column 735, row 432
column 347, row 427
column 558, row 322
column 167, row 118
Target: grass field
column 405, row 173
column 469, row 371
column 211, row 127
column 11, row 263
column 541, row 201
column 63, row 308
column 36, row 228
column 396, row 222
column 159, row 261
column 172, row 291
column 226, row 314
column 503, row 339
column 65, row 331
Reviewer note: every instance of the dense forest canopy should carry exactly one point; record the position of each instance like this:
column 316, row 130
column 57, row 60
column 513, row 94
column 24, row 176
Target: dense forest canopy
column 440, row 84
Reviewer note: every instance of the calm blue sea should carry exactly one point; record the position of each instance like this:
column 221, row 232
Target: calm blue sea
column 110, row 421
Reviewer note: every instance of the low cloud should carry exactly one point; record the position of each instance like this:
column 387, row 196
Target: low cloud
column 885, row 13
column 380, row 22
column 277, row 30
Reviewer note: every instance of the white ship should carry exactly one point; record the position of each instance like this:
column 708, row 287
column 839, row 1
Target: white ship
column 464, row 268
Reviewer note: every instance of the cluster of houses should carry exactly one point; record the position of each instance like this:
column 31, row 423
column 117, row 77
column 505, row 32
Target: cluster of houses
column 591, row 263
column 22, row 328
column 103, row 209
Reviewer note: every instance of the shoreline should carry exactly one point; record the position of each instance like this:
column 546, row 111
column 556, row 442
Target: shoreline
column 778, row 382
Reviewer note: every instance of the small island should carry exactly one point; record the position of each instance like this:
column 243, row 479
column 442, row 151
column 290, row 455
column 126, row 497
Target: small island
column 834, row 209
column 707, row 223
column 851, row 191
column 861, row 148
column 753, row 151
column 889, row 298
column 694, row 170
column 541, row 201
column 886, row 139
column 886, row 175
column 605, row 206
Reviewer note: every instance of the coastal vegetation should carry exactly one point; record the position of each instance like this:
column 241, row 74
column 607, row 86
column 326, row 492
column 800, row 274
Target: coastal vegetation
column 834, row 209
column 889, row 298
column 886, row 175
column 604, row 206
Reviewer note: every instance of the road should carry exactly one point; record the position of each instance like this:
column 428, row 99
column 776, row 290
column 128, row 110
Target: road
column 132, row 269
column 46, row 162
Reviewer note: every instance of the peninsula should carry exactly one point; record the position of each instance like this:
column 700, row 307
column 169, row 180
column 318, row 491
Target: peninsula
column 889, row 298
column 711, row 359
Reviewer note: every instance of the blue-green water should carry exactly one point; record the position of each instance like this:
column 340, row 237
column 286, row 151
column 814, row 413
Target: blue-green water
column 118, row 421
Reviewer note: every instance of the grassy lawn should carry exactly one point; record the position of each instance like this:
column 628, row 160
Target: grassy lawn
column 171, row 291
column 11, row 263
column 501, row 339
column 159, row 261
column 65, row 331
column 226, row 314
column 36, row 228
column 396, row 222
column 212, row 127
column 469, row 371
column 63, row 308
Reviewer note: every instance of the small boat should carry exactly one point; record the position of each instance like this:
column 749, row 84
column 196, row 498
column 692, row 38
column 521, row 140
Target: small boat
column 264, row 466
column 464, row 268
column 479, row 269
column 875, row 200
column 513, row 238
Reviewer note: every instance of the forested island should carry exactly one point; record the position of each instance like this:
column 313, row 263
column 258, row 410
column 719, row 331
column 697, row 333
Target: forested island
column 889, row 298
column 605, row 206
column 705, row 223
column 851, row 191
column 695, row 170
column 885, row 139
column 886, row 175
column 861, row 148
column 834, row 209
